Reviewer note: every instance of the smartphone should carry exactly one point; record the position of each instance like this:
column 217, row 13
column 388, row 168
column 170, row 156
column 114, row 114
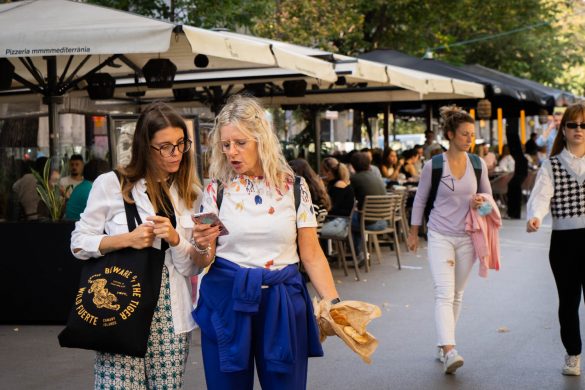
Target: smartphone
column 210, row 219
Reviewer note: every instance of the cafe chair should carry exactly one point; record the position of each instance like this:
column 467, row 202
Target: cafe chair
column 339, row 244
column 379, row 208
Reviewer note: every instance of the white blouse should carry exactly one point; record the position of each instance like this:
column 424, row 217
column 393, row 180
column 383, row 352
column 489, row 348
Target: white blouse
column 262, row 222
column 105, row 212
column 543, row 191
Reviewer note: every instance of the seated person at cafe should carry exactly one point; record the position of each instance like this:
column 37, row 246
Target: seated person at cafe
column 390, row 167
column 506, row 163
column 78, row 199
column 483, row 151
column 24, row 191
column 336, row 178
column 68, row 183
column 364, row 182
column 409, row 168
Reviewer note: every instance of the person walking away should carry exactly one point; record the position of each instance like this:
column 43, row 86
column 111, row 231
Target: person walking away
column 160, row 180
column 549, row 134
column 450, row 250
column 254, row 308
column 559, row 189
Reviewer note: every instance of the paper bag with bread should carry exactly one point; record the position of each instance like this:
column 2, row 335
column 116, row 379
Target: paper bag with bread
column 348, row 320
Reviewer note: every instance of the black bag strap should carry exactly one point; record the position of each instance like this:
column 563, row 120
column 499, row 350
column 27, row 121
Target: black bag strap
column 437, row 172
column 132, row 217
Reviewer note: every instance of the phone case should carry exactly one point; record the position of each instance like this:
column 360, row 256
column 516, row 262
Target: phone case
column 211, row 219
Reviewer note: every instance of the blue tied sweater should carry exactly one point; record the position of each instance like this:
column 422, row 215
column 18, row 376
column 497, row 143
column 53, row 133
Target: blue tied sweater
column 230, row 295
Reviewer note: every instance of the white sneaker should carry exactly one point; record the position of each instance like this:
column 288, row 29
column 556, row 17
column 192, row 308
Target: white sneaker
column 572, row 365
column 452, row 361
column 440, row 355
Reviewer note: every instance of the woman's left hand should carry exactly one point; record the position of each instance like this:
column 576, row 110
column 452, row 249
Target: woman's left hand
column 477, row 201
column 163, row 228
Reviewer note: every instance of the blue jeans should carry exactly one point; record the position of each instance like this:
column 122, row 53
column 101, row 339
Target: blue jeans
column 357, row 234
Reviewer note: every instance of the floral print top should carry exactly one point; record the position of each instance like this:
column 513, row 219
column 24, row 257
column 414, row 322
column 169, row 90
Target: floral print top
column 262, row 221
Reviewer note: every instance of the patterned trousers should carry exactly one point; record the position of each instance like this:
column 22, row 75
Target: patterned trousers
column 163, row 366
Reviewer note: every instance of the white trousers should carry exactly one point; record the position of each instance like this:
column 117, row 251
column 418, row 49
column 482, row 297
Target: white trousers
column 450, row 260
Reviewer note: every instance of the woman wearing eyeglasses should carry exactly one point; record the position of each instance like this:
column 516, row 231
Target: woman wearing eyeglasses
column 559, row 188
column 253, row 304
column 160, row 179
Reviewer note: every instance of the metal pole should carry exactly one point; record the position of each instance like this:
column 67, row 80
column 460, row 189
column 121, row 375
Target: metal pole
column 51, row 100
column 386, row 124
column 317, row 140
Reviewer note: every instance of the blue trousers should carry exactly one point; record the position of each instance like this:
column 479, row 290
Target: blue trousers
column 296, row 380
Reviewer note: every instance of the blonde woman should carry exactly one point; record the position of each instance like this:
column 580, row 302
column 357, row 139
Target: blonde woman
column 254, row 305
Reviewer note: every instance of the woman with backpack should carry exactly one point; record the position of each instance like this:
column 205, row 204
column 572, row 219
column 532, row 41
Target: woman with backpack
column 254, row 305
column 450, row 248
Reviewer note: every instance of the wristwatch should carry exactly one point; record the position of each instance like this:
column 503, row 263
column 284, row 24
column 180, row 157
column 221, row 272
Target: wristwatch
column 336, row 300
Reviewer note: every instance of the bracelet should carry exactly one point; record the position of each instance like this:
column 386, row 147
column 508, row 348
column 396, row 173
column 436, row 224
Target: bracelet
column 204, row 251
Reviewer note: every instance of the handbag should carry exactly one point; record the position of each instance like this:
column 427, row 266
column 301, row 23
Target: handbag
column 116, row 299
column 335, row 229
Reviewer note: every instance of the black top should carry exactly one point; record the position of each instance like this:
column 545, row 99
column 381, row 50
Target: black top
column 342, row 200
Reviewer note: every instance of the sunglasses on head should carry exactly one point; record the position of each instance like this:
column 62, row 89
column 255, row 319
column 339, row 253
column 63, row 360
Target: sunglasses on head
column 574, row 125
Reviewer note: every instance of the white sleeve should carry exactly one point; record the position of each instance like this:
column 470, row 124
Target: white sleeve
column 89, row 230
column 543, row 191
column 181, row 253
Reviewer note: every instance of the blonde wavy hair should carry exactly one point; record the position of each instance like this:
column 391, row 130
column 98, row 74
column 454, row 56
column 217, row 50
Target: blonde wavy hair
column 247, row 115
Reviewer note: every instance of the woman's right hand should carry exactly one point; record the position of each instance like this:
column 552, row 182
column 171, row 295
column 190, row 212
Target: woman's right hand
column 532, row 225
column 204, row 234
column 142, row 237
column 412, row 241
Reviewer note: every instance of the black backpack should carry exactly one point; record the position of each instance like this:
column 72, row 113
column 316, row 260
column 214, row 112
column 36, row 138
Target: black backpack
column 437, row 162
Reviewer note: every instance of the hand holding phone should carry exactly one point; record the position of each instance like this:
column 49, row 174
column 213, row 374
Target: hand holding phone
column 210, row 219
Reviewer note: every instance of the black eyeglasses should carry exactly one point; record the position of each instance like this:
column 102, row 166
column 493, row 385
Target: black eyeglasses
column 167, row 150
column 574, row 125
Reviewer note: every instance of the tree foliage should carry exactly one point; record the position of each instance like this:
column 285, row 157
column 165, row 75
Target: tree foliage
column 535, row 39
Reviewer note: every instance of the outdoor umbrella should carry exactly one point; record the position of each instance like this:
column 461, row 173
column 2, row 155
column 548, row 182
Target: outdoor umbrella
column 53, row 47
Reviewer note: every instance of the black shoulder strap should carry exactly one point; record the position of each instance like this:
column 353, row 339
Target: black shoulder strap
column 297, row 192
column 132, row 216
column 437, row 171
column 476, row 163
column 219, row 196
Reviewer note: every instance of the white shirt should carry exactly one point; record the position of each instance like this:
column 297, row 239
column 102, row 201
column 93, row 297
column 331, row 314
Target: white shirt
column 507, row 164
column 261, row 221
column 105, row 212
column 543, row 191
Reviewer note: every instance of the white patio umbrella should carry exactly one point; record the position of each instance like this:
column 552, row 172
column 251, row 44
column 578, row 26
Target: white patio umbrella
column 54, row 46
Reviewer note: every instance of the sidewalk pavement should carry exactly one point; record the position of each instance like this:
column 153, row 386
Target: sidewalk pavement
column 508, row 332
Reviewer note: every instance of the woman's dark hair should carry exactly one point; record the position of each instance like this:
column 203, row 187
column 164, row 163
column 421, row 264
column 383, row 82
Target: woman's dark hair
column 387, row 152
column 94, row 168
column 453, row 117
column 155, row 117
column 573, row 112
column 360, row 161
column 319, row 195
column 408, row 153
